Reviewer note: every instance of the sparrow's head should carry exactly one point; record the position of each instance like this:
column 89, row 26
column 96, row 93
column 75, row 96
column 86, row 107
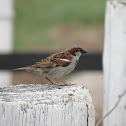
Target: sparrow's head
column 76, row 51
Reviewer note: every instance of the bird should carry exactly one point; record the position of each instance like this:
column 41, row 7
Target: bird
column 56, row 65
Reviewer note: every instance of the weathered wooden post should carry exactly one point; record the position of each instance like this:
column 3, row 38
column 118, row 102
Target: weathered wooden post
column 115, row 62
column 46, row 105
column 6, row 36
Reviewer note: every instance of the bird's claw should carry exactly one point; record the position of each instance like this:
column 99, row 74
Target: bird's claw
column 66, row 84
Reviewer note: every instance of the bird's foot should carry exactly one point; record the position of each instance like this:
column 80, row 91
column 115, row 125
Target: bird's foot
column 67, row 84
column 62, row 83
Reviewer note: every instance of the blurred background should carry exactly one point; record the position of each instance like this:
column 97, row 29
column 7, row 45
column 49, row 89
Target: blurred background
column 42, row 27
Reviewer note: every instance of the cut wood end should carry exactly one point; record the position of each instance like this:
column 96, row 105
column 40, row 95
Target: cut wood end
column 37, row 104
column 44, row 93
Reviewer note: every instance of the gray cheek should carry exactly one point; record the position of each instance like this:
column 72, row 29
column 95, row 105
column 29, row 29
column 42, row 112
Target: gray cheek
column 78, row 54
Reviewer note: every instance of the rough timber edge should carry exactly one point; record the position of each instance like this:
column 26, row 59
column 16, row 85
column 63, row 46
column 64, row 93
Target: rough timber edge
column 68, row 93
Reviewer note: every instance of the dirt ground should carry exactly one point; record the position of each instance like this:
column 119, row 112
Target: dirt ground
column 92, row 80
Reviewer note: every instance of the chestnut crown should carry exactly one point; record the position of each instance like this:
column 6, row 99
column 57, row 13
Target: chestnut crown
column 74, row 49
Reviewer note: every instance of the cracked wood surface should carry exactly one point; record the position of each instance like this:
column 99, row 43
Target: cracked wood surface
column 46, row 105
column 114, row 61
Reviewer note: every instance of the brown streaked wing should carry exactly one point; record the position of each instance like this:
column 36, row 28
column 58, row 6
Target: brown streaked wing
column 59, row 62
column 62, row 55
column 54, row 60
column 45, row 63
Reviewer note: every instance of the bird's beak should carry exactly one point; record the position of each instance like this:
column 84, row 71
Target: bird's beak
column 83, row 51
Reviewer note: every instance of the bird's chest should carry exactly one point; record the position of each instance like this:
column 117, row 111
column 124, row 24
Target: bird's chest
column 59, row 72
column 68, row 69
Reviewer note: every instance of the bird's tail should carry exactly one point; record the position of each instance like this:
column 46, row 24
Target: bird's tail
column 29, row 69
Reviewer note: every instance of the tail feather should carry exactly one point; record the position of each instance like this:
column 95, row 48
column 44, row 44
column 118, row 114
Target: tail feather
column 29, row 69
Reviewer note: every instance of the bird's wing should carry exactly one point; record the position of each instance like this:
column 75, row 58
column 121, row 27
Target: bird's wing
column 55, row 60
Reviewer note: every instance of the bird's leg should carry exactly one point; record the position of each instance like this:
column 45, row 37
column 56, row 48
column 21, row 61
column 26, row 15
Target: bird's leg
column 49, row 80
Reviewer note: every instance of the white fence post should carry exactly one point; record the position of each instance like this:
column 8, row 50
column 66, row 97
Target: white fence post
column 46, row 105
column 6, row 36
column 114, row 61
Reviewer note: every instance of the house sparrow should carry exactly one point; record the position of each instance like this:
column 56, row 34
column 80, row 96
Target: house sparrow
column 56, row 65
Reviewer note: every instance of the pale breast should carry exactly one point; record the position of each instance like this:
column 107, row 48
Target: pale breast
column 58, row 72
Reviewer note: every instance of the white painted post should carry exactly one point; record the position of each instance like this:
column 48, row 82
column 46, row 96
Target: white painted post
column 114, row 61
column 46, row 105
column 6, row 35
